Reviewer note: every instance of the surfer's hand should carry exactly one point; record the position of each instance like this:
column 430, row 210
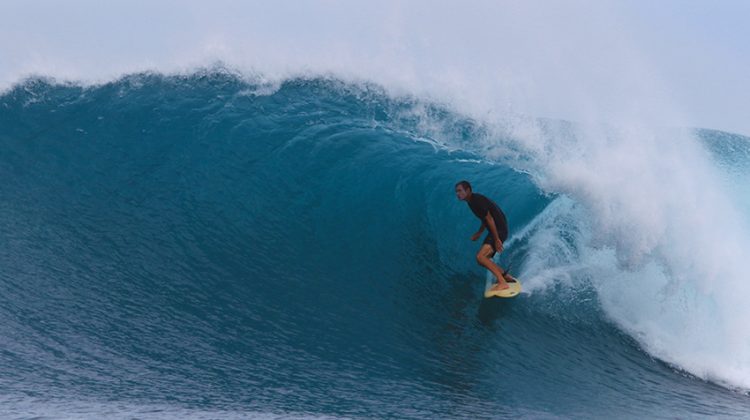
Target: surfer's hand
column 476, row 236
column 499, row 245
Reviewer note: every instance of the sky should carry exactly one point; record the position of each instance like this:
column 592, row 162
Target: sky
column 669, row 62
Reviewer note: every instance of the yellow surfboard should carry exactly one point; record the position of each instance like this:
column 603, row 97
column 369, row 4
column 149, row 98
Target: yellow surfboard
column 512, row 291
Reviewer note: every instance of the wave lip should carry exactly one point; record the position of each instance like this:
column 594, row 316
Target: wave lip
column 577, row 62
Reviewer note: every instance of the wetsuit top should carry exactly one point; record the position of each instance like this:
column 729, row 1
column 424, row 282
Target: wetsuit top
column 480, row 205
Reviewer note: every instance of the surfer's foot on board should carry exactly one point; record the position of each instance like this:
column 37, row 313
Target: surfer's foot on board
column 509, row 278
column 500, row 286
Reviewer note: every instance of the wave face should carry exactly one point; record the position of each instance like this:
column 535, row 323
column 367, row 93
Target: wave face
column 211, row 246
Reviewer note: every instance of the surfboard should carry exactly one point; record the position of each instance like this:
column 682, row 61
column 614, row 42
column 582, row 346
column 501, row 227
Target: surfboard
column 512, row 291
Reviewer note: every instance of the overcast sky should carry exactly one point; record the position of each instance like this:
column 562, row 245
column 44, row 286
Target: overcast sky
column 658, row 62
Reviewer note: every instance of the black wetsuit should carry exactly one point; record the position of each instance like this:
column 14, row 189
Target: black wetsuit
column 480, row 205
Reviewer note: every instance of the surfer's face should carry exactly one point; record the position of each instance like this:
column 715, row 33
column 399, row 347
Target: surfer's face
column 461, row 193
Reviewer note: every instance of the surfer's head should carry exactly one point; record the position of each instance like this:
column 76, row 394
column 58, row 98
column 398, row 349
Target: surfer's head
column 463, row 190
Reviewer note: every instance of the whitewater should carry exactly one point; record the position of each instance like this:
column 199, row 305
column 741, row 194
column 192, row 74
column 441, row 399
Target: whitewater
column 248, row 211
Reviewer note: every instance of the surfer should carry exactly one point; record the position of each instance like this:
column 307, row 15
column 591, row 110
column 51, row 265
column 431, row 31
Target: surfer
column 493, row 219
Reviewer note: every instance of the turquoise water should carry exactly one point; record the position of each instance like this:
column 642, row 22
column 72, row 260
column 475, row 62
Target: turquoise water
column 205, row 246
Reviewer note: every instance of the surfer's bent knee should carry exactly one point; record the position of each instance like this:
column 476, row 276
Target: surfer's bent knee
column 484, row 254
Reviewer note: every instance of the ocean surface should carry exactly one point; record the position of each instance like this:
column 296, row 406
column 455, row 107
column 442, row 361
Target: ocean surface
column 209, row 246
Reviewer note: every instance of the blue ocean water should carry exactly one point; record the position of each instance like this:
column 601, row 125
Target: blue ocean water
column 211, row 247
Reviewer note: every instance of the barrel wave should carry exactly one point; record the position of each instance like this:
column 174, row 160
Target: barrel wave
column 210, row 246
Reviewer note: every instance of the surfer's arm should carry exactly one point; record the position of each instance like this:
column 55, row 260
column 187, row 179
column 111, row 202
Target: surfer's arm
column 490, row 222
column 481, row 228
column 476, row 234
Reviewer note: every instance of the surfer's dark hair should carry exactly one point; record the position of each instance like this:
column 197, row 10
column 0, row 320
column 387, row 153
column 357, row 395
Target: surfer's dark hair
column 464, row 184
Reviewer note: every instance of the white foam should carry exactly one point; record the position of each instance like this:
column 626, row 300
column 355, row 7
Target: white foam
column 654, row 228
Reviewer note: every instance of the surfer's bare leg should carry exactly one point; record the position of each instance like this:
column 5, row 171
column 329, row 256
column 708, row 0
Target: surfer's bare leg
column 483, row 258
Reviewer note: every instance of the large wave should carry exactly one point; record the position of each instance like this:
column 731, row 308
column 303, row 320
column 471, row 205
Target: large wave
column 168, row 232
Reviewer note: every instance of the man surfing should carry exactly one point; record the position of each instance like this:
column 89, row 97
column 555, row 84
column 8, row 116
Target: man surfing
column 493, row 219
